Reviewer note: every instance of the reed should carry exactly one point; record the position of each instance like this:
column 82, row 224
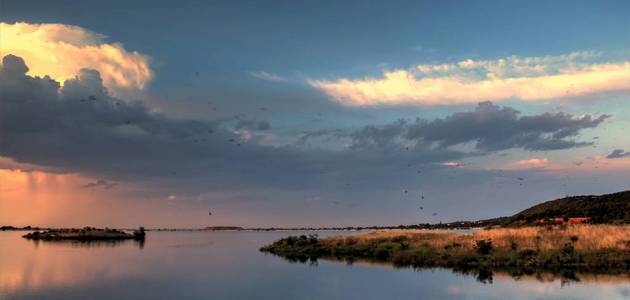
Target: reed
column 583, row 247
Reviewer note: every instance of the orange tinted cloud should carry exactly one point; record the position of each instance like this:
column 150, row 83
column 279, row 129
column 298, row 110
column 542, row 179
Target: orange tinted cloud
column 60, row 51
column 529, row 163
column 470, row 81
column 453, row 164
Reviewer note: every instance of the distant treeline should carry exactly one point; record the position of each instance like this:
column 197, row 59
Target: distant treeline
column 6, row 228
column 450, row 225
column 602, row 209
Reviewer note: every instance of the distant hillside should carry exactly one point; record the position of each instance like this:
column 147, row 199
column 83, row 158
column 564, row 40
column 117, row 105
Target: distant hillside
column 610, row 208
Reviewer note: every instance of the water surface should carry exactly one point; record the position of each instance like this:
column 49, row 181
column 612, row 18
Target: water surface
column 227, row 265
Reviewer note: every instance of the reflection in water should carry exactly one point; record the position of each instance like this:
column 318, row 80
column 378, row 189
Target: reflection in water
column 482, row 275
column 192, row 245
column 90, row 243
column 227, row 265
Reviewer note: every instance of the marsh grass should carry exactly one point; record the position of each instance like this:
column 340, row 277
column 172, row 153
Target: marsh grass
column 601, row 248
column 583, row 237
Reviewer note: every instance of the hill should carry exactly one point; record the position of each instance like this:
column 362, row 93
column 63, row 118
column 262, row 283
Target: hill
column 602, row 209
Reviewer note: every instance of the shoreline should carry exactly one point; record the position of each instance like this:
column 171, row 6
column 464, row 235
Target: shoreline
column 581, row 248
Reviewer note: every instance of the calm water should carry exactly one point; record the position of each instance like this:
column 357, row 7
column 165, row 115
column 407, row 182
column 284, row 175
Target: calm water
column 227, row 265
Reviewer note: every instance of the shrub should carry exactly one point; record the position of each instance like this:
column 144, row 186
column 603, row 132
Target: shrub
column 484, row 247
column 139, row 234
column 568, row 248
column 399, row 239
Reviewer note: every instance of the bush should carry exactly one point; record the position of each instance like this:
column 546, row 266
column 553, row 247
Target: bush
column 139, row 234
column 399, row 239
column 568, row 248
column 484, row 247
column 527, row 253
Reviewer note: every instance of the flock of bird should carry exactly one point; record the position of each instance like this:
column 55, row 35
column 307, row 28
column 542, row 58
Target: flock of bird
column 238, row 144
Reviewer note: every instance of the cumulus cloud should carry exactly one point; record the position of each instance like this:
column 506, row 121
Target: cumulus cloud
column 79, row 127
column 60, row 51
column 618, row 153
column 471, row 81
column 488, row 128
column 491, row 128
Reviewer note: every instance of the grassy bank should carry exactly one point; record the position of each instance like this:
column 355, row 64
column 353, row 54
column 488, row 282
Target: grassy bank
column 584, row 248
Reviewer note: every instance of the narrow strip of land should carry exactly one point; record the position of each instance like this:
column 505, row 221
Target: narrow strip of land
column 590, row 248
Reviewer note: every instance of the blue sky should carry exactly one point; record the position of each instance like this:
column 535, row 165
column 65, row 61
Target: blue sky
column 343, row 74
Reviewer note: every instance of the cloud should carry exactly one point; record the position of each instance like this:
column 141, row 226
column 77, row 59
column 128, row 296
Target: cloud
column 268, row 76
column 488, row 128
column 471, row 81
column 78, row 127
column 253, row 125
column 100, row 183
column 60, row 51
column 618, row 153
column 492, row 128
column 327, row 134
column 453, row 164
column 528, row 164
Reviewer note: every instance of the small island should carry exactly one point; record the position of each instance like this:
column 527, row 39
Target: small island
column 86, row 234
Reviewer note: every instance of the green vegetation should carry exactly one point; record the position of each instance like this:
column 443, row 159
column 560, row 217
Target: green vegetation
column 85, row 234
column 518, row 251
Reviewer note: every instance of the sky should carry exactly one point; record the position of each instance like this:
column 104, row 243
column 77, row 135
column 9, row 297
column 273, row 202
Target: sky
column 307, row 113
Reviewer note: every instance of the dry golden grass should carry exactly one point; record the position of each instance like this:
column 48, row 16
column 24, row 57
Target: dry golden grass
column 590, row 237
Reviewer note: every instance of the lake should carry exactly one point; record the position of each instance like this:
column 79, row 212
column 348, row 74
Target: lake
column 228, row 265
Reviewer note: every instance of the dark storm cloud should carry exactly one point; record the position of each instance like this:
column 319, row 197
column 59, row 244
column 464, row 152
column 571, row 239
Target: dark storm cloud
column 492, row 127
column 80, row 128
column 618, row 153
column 488, row 128
column 379, row 137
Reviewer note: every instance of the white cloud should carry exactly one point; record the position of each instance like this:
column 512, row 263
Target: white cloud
column 472, row 81
column 60, row 51
column 267, row 76
column 529, row 164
